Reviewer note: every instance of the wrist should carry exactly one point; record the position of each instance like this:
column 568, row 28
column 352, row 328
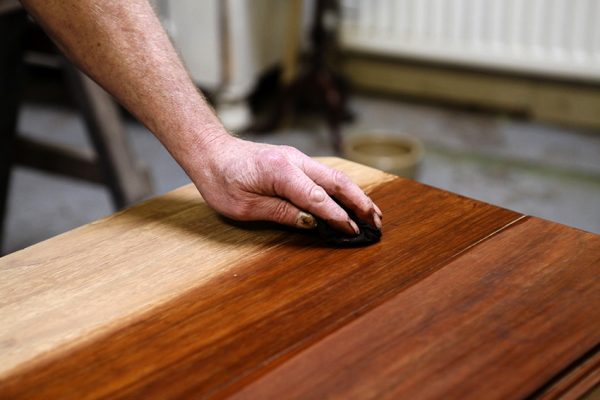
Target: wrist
column 204, row 149
column 210, row 138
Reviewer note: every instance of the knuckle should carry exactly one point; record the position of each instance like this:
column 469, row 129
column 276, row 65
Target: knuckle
column 289, row 149
column 340, row 180
column 275, row 159
column 279, row 212
column 298, row 191
column 294, row 155
column 316, row 193
column 366, row 206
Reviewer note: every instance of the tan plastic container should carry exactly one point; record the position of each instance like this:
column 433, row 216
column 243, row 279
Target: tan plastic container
column 399, row 155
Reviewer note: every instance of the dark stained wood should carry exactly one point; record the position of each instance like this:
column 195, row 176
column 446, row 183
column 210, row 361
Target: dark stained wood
column 257, row 315
column 496, row 323
column 58, row 159
column 580, row 380
column 127, row 180
column 115, row 166
column 12, row 35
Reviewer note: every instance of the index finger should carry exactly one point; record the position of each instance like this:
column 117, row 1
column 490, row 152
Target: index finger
column 338, row 184
column 304, row 193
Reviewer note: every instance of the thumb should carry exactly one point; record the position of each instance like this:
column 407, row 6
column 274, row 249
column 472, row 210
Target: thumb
column 283, row 212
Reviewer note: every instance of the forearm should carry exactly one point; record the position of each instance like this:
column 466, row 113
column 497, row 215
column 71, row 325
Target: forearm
column 123, row 47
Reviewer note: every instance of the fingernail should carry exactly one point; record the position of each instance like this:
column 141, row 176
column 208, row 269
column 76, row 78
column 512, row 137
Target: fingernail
column 305, row 221
column 378, row 211
column 377, row 221
column 354, row 226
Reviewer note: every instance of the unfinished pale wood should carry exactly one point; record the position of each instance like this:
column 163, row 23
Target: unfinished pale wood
column 292, row 43
column 67, row 289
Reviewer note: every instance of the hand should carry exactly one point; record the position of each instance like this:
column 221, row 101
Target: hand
column 251, row 181
column 242, row 180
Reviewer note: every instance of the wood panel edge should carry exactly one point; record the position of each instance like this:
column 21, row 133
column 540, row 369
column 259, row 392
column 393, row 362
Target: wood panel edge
column 576, row 381
column 566, row 103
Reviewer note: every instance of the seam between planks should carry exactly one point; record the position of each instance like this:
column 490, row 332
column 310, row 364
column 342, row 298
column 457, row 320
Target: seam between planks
column 269, row 364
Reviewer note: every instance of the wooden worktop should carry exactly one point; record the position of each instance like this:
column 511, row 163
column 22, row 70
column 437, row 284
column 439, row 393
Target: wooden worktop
column 460, row 299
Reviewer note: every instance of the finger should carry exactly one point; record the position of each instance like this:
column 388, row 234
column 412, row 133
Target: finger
column 377, row 210
column 283, row 212
column 338, row 184
column 294, row 185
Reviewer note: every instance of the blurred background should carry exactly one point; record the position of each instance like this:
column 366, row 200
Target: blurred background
column 498, row 100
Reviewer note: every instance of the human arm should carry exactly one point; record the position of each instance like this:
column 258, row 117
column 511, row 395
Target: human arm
column 123, row 47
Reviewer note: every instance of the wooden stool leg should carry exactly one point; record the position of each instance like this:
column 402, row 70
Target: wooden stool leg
column 12, row 32
column 127, row 179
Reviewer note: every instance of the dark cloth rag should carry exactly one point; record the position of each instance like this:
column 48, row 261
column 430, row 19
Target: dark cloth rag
column 368, row 234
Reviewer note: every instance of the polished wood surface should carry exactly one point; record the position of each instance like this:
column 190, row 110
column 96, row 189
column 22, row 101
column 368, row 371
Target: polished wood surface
column 497, row 322
column 168, row 300
column 578, row 381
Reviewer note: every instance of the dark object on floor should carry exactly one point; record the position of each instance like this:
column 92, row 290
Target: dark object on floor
column 111, row 164
column 317, row 84
column 368, row 234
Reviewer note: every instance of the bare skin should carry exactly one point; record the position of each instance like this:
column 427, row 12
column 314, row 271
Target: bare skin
column 123, row 47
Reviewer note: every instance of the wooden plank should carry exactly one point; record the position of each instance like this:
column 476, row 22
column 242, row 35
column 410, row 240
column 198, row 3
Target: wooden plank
column 496, row 323
column 13, row 28
column 127, row 179
column 576, row 382
column 575, row 104
column 567, row 105
column 58, row 159
column 94, row 277
column 465, row 87
column 166, row 300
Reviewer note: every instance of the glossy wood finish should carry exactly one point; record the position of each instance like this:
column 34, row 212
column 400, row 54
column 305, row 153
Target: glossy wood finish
column 170, row 301
column 497, row 322
column 582, row 379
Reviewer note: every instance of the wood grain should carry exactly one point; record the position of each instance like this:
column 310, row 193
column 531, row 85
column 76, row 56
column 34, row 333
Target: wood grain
column 581, row 379
column 166, row 300
column 495, row 323
column 96, row 276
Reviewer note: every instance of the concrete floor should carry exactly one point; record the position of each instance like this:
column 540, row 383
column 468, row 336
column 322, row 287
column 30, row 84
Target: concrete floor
column 547, row 171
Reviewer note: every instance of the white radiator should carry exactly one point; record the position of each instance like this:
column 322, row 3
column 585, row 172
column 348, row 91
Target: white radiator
column 550, row 37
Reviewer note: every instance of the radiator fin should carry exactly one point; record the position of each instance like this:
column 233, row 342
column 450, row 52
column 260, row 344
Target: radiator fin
column 556, row 37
